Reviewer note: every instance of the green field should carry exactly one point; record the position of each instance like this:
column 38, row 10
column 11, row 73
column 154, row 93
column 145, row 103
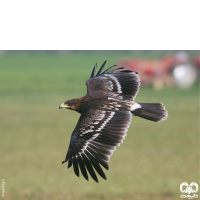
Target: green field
column 152, row 162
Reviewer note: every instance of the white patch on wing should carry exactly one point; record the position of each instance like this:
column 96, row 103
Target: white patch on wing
column 135, row 106
column 110, row 85
column 86, row 145
column 119, row 88
column 98, row 122
column 106, row 121
column 84, row 131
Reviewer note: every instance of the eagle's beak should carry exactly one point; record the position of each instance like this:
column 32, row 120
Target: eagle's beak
column 62, row 105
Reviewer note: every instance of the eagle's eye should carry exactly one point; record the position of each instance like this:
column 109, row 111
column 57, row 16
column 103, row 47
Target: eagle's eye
column 69, row 104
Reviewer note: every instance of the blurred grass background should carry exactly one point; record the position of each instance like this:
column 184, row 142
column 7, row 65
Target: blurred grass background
column 153, row 161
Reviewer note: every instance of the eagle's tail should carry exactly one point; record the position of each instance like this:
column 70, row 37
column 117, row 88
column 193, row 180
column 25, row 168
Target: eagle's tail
column 152, row 111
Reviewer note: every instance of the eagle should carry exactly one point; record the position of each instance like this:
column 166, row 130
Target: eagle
column 106, row 113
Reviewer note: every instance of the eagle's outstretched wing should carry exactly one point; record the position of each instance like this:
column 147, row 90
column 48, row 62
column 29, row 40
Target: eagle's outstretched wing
column 117, row 83
column 94, row 139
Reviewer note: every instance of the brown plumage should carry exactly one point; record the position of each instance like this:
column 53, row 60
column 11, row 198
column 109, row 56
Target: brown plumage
column 75, row 104
column 106, row 113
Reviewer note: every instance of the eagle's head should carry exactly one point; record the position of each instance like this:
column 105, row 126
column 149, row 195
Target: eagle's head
column 73, row 104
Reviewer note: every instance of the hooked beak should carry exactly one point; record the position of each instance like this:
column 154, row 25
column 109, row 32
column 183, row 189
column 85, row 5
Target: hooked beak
column 62, row 105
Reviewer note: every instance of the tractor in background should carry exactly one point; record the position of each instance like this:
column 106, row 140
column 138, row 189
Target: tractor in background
column 177, row 70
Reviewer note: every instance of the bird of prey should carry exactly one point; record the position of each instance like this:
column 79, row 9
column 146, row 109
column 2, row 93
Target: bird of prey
column 106, row 113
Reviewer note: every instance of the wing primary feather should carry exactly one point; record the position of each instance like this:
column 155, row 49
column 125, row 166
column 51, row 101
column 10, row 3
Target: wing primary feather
column 75, row 165
column 69, row 163
column 98, row 154
column 116, row 69
column 109, row 69
column 82, row 167
column 102, row 162
column 66, row 159
column 127, row 71
column 99, row 148
column 98, row 169
column 93, row 71
column 99, row 72
column 89, row 167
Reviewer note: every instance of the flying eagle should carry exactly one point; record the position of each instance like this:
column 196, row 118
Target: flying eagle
column 106, row 113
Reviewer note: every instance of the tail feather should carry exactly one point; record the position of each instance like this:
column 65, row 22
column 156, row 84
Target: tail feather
column 152, row 111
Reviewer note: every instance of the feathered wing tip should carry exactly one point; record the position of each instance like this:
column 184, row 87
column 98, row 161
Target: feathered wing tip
column 116, row 69
column 86, row 161
column 99, row 72
column 66, row 159
column 93, row 71
column 107, row 70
